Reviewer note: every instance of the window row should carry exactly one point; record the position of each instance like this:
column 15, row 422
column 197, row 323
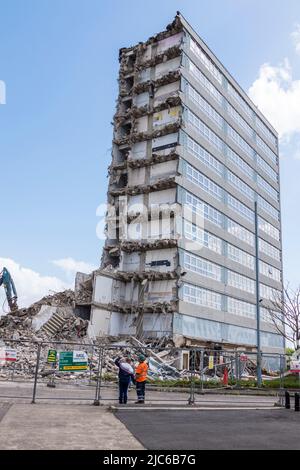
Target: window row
column 269, row 293
column 207, row 85
column 267, row 133
column 214, row 93
column 210, row 161
column 210, row 299
column 201, row 154
column 214, row 271
column 269, row 271
column 267, row 188
column 206, row 61
column 204, row 238
column 220, row 145
column 266, row 149
column 240, row 121
column 203, row 182
column 205, row 131
column 211, row 67
column 240, row 142
column 267, row 207
column 218, row 218
column 204, row 106
column 269, row 250
column 266, row 168
column 201, row 236
column 203, row 267
column 215, row 190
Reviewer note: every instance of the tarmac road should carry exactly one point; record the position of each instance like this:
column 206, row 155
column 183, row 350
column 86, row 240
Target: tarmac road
column 214, row 429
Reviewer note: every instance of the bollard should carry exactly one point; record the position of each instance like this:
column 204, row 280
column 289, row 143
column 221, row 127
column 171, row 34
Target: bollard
column 287, row 400
column 297, row 402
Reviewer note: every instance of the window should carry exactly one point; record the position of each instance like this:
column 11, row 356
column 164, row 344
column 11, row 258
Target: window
column 240, row 121
column 266, row 168
column 263, row 204
column 240, row 256
column 266, row 149
column 269, row 229
column 267, row 133
column 199, row 152
column 208, row 212
column 240, row 232
column 207, row 85
column 202, row 267
column 267, row 188
column 203, row 182
column 204, row 106
column 241, row 102
column 237, row 183
column 269, row 271
column 241, row 308
column 269, row 293
column 269, row 249
column 207, row 133
column 238, row 140
column 240, row 208
column 206, row 298
column 192, row 232
column 206, row 61
column 240, row 282
column 240, row 163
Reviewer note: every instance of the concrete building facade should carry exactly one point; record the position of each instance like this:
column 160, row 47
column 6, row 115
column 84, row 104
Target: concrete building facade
column 191, row 155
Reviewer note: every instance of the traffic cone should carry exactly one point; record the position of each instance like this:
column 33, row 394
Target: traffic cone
column 225, row 376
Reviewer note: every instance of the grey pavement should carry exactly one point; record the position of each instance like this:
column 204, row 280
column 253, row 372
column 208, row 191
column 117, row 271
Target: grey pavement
column 214, row 429
column 62, row 427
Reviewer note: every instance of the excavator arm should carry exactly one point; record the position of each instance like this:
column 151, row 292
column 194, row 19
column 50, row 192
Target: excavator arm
column 10, row 289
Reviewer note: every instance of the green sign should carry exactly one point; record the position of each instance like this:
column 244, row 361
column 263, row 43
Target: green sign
column 73, row 361
column 52, row 356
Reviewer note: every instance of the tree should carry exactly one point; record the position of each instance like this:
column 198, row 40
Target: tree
column 285, row 314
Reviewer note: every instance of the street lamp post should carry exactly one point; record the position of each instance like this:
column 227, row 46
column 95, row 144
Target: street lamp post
column 259, row 378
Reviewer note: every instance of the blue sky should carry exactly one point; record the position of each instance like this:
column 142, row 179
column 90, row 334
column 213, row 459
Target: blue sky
column 59, row 60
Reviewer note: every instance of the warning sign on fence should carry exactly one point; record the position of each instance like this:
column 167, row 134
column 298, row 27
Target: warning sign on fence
column 73, row 361
column 7, row 355
column 52, row 356
column 295, row 367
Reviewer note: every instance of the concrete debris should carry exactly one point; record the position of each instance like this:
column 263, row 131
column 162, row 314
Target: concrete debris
column 168, row 54
column 83, row 289
column 163, row 183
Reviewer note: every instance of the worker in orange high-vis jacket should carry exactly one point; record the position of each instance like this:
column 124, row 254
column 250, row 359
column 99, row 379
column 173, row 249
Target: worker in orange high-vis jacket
column 140, row 378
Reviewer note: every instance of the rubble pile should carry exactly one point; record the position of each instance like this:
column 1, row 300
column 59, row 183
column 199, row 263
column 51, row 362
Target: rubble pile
column 58, row 299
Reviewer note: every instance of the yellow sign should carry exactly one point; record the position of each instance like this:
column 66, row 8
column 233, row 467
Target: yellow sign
column 82, row 367
column 211, row 362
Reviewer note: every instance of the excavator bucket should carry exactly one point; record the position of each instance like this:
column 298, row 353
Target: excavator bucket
column 13, row 305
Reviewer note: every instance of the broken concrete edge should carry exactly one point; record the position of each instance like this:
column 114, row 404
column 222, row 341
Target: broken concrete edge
column 175, row 27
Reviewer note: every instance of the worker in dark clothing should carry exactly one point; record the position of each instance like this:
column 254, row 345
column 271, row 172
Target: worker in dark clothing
column 126, row 373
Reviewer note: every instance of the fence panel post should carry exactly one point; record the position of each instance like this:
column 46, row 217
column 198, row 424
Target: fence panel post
column 191, row 399
column 202, row 370
column 36, row 371
column 297, row 401
column 99, row 377
column 287, row 400
column 237, row 370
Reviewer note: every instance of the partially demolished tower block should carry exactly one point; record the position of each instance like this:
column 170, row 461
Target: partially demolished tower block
column 191, row 154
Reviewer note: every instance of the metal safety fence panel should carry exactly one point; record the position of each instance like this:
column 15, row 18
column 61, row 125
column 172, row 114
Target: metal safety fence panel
column 86, row 372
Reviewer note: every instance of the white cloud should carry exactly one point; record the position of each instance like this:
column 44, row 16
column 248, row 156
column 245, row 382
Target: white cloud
column 277, row 95
column 31, row 285
column 296, row 38
column 71, row 266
